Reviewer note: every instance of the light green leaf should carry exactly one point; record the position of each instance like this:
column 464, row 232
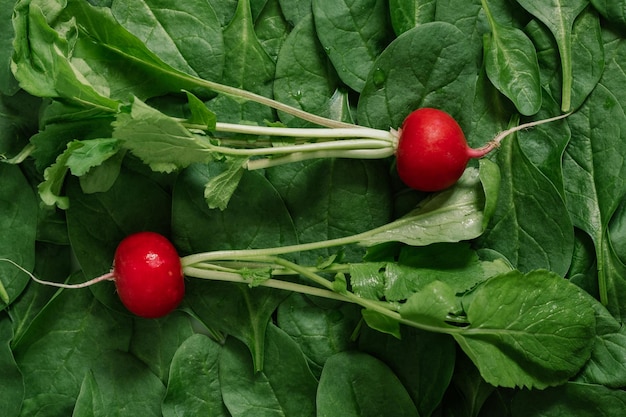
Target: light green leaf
column 220, row 187
column 431, row 305
column 158, row 140
column 534, row 330
column 451, row 215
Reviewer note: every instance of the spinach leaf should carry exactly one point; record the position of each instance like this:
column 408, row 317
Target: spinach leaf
column 187, row 35
column 542, row 332
column 121, row 381
column 12, row 381
column 18, row 226
column 271, row 28
column 321, row 195
column 522, row 229
column 295, row 10
column 193, row 384
column 559, row 17
column 66, row 339
column 234, row 309
column 423, row 371
column 98, row 222
column 247, row 66
column 383, row 395
column 155, row 342
column 430, row 65
column 582, row 400
column 304, row 77
column 8, row 84
column 511, row 64
column 595, row 182
column 285, row 386
column 406, row 14
column 353, row 35
column 320, row 328
column 614, row 10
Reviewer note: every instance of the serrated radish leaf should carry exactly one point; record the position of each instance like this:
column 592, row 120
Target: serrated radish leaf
column 538, row 327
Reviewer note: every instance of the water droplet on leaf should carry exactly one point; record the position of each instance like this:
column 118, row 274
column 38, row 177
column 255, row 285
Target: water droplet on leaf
column 379, row 77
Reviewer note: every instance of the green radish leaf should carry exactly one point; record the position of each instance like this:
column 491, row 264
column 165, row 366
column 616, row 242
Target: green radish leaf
column 353, row 34
column 451, row 215
column 220, row 187
column 18, row 227
column 158, row 140
column 534, row 330
column 406, row 14
column 12, row 381
column 200, row 114
column 431, row 65
column 247, row 66
column 379, row 392
column 186, row 35
column 285, row 386
column 559, row 17
column 193, row 384
column 607, row 365
column 84, row 155
column 304, row 78
column 431, row 305
column 511, row 65
column 570, row 399
column 119, row 381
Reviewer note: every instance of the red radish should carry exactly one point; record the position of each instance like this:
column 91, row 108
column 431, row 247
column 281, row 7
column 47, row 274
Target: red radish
column 432, row 150
column 148, row 275
column 147, row 272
